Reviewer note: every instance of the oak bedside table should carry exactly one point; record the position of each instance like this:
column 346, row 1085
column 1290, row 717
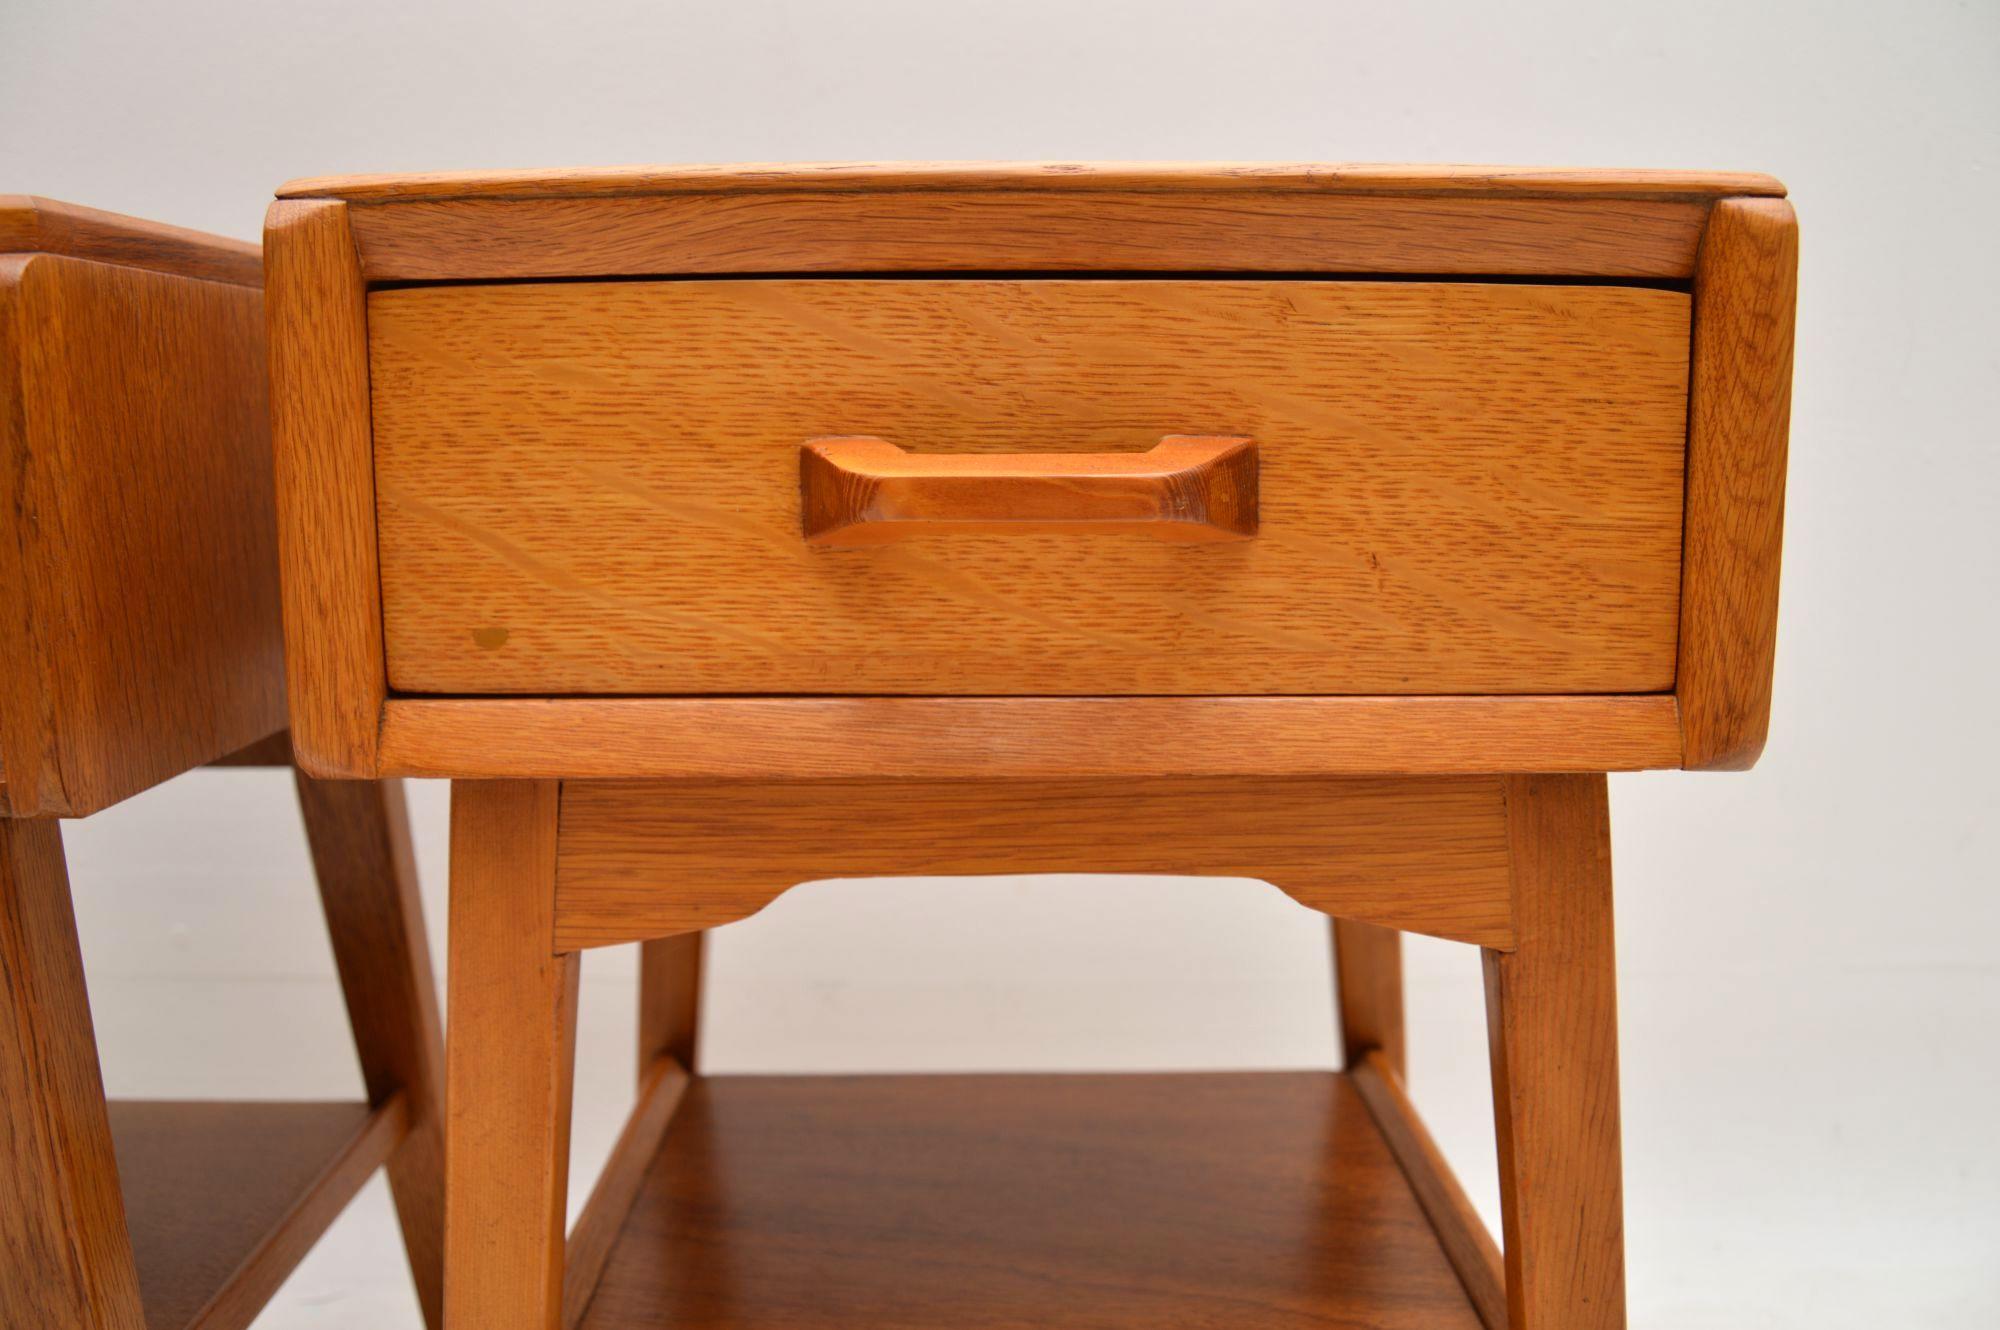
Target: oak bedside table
column 140, row 631
column 716, row 529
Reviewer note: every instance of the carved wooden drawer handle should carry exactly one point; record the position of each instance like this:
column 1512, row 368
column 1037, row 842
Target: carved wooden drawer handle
column 867, row 491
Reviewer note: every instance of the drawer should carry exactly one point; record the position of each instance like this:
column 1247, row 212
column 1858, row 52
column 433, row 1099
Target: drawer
column 1462, row 487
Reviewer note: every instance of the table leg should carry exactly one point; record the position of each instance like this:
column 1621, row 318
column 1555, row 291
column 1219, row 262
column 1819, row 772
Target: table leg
column 360, row 837
column 1552, row 1021
column 670, row 999
column 65, row 1255
column 510, row 1057
column 1368, row 970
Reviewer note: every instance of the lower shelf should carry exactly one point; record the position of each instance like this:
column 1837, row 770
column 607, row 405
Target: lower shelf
column 1240, row 1200
column 222, row 1199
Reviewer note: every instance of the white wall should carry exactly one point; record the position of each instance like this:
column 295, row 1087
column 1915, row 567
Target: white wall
column 1809, row 986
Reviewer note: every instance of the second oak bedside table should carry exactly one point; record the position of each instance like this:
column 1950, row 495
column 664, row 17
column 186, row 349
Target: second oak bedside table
column 140, row 638
column 717, row 529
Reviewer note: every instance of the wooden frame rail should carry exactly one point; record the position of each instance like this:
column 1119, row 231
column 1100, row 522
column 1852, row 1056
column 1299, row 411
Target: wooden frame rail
column 661, row 1088
column 943, row 738
column 1424, row 855
column 1467, row 1242
column 214, row 1268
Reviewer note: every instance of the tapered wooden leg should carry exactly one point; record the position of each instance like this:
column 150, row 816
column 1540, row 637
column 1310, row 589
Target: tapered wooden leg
column 1368, row 969
column 670, row 999
column 509, row 1059
column 1552, row 1023
column 360, row 837
column 65, row 1257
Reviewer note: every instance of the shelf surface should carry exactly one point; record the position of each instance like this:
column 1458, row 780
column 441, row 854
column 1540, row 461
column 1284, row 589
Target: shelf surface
column 1238, row 1200
column 206, row 1183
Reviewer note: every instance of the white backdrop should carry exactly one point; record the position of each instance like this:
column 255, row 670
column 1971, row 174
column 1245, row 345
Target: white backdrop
column 1808, row 979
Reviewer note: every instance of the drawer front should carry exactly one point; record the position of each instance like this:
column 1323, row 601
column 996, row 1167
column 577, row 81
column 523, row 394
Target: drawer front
column 1464, row 487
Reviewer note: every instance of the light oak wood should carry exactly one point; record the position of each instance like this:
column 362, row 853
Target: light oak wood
column 1552, row 1021
column 670, row 970
column 1465, row 488
column 555, row 534
column 1155, row 217
column 65, row 1258
column 992, row 231
column 865, row 491
column 225, row 1199
column 1746, row 284
column 1465, row 1239
column 1265, row 1201
column 1315, row 178
column 597, row 1228
column 359, row 832
column 325, row 472
column 139, row 613
column 1368, row 972
column 202, row 1209
column 510, row 1059
column 639, row 859
column 1024, row 737
column 46, row 226
column 138, row 592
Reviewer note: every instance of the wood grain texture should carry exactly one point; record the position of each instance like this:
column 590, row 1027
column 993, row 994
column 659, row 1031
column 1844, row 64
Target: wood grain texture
column 1465, row 488
column 794, row 232
column 670, row 981
column 643, row 859
column 865, row 491
column 510, row 1058
column 325, row 487
column 359, row 832
column 1368, row 977
column 138, row 591
column 1746, row 285
column 65, row 1259
column 225, row 1199
column 1460, row 1231
column 596, row 1230
column 1316, row 178
column 907, row 1203
column 951, row 737
column 1552, row 1022
column 46, row 226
